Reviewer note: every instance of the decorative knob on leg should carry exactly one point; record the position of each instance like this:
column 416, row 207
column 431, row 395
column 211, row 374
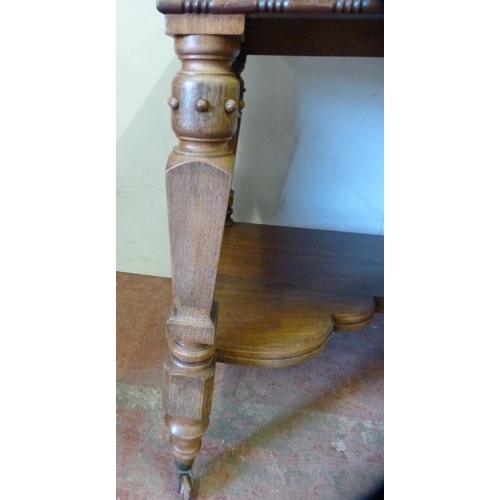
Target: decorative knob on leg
column 231, row 105
column 173, row 102
column 201, row 105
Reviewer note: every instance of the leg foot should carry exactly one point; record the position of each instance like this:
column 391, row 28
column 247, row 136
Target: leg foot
column 185, row 486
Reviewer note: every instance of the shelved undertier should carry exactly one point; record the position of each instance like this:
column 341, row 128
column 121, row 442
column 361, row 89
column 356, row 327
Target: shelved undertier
column 283, row 291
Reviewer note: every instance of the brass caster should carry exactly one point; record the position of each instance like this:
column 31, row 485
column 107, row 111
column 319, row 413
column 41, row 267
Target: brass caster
column 185, row 486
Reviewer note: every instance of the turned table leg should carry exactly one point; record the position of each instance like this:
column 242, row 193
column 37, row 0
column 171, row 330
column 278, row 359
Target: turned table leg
column 205, row 106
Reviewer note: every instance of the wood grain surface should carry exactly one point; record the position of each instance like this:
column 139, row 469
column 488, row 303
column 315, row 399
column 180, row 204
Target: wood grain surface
column 205, row 105
column 283, row 291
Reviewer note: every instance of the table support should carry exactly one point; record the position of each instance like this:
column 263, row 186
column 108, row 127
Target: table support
column 205, row 104
column 292, row 300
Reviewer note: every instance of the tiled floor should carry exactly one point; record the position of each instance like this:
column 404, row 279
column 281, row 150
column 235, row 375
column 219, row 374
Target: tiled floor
column 312, row 431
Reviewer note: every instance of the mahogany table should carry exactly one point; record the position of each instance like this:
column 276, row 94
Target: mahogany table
column 282, row 291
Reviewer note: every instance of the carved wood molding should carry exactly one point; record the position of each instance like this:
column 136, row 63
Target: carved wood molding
column 270, row 6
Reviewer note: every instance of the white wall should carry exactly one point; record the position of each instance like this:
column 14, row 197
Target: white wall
column 311, row 146
column 145, row 66
column 310, row 151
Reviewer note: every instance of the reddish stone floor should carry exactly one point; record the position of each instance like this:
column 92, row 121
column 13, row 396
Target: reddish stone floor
column 312, row 431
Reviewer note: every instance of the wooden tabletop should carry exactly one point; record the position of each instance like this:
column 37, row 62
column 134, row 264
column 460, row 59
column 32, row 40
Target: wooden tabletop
column 352, row 28
column 349, row 7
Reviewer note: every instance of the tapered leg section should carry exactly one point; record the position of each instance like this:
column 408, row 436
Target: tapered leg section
column 205, row 107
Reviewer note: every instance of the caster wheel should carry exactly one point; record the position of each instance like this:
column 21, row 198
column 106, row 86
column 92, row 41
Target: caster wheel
column 185, row 487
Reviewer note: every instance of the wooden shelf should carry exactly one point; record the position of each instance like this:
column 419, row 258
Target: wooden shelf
column 283, row 291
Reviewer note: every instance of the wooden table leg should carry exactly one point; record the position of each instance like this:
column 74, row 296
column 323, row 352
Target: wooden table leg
column 205, row 106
